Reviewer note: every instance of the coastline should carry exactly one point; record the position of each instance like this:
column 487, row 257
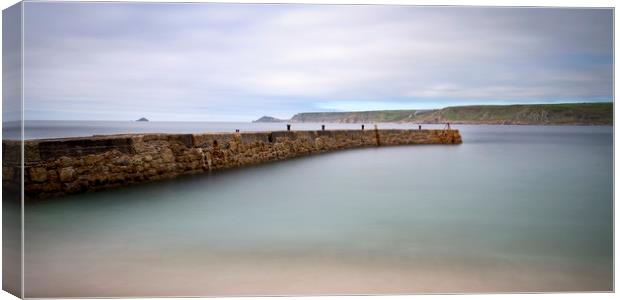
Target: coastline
column 459, row 123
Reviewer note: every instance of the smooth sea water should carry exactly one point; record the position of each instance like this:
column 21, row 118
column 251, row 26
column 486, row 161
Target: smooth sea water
column 61, row 129
column 512, row 209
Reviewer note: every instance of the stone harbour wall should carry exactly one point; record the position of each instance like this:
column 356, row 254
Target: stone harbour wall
column 57, row 167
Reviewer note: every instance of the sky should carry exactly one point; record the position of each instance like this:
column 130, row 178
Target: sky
column 238, row 62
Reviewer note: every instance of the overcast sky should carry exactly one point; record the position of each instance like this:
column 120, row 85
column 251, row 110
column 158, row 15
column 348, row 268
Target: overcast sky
column 236, row 62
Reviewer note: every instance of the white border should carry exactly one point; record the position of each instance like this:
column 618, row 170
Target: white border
column 545, row 3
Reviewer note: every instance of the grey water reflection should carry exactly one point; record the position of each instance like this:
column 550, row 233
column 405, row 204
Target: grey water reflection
column 512, row 209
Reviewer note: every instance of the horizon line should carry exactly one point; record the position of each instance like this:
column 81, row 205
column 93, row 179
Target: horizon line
column 307, row 112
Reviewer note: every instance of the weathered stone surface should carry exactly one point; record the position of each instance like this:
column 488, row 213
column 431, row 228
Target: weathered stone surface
column 38, row 174
column 67, row 174
column 65, row 166
column 92, row 159
column 82, row 146
column 167, row 155
column 8, row 172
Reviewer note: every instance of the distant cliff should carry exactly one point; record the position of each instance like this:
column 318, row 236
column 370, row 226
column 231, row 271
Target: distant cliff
column 534, row 114
column 360, row 116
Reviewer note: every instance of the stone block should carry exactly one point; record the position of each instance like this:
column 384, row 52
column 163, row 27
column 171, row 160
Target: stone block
column 38, row 174
column 67, row 174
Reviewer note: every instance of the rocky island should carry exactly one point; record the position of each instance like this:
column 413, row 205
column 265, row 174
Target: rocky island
column 268, row 119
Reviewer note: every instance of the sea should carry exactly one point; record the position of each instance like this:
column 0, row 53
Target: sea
column 512, row 209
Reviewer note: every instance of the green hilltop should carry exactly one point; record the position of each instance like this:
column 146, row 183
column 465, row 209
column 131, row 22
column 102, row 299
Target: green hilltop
column 526, row 114
column 360, row 116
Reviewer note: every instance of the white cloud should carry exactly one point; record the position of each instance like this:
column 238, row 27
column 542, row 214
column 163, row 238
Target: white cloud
column 214, row 61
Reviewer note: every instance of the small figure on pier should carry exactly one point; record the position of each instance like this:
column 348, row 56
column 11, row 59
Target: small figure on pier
column 419, row 127
column 448, row 125
column 323, row 127
column 362, row 126
column 288, row 127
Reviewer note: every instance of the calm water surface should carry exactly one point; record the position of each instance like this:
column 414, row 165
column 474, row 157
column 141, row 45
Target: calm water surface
column 59, row 129
column 514, row 208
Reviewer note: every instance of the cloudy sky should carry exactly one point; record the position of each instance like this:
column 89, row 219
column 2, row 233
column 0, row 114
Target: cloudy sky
column 236, row 62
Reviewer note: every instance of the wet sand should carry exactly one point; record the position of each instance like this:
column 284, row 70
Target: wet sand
column 221, row 274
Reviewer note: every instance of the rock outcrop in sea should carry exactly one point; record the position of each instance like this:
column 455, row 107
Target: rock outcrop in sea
column 268, row 119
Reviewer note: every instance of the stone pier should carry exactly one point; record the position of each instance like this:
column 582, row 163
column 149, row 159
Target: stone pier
column 56, row 167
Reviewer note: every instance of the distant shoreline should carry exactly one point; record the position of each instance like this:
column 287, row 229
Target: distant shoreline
column 595, row 113
column 460, row 123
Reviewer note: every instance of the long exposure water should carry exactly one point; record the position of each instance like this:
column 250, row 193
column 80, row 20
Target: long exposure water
column 60, row 129
column 512, row 209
